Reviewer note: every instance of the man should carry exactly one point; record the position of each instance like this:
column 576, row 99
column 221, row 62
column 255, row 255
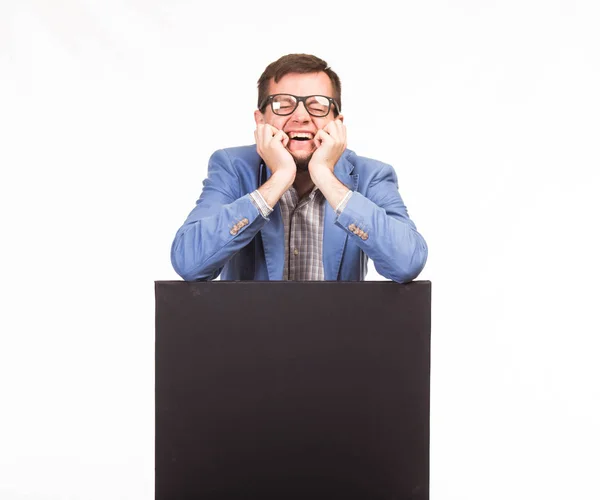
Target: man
column 298, row 205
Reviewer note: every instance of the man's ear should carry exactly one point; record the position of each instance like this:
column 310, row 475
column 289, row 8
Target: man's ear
column 259, row 118
column 340, row 117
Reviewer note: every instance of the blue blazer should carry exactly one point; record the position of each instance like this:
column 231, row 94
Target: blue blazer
column 208, row 244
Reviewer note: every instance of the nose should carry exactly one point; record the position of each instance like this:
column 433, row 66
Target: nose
column 300, row 114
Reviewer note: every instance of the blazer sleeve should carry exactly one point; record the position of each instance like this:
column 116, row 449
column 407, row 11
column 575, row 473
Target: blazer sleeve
column 223, row 222
column 379, row 224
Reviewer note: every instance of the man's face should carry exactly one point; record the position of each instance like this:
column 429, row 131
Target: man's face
column 300, row 84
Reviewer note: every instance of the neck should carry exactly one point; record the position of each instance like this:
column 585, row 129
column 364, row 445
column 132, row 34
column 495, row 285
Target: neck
column 303, row 183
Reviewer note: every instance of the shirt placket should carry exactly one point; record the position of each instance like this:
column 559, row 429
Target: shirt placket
column 288, row 201
column 299, row 240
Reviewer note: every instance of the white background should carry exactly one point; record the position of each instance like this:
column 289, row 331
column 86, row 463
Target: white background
column 489, row 112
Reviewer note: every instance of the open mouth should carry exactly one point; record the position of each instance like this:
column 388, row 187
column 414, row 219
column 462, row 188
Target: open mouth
column 300, row 136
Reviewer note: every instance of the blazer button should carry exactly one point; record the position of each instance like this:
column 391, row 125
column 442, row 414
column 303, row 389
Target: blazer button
column 245, row 221
column 352, row 227
column 234, row 231
column 364, row 237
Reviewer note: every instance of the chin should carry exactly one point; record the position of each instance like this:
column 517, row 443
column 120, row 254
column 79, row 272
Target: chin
column 302, row 161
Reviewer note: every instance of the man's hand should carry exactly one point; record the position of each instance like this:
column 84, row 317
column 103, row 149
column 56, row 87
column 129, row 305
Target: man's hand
column 331, row 143
column 271, row 146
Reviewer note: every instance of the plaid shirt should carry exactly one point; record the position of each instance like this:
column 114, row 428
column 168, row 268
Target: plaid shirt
column 303, row 229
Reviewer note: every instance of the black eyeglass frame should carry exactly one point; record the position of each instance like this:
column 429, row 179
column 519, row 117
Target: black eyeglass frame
column 299, row 99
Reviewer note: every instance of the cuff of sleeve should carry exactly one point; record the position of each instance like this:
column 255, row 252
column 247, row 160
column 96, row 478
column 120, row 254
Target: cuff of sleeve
column 340, row 208
column 260, row 203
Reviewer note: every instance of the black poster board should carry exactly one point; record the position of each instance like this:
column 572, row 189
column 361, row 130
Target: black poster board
column 292, row 390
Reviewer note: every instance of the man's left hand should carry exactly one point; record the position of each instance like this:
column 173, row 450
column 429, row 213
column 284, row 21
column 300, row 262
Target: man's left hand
column 331, row 143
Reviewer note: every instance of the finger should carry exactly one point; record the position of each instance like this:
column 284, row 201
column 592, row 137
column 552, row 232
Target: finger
column 320, row 137
column 324, row 136
column 272, row 130
column 337, row 130
column 260, row 132
column 278, row 136
column 258, row 140
column 342, row 132
column 266, row 134
column 332, row 129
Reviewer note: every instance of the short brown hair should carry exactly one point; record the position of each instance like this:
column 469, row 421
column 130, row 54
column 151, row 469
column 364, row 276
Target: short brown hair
column 297, row 63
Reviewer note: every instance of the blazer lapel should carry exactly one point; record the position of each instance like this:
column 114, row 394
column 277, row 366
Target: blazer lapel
column 273, row 238
column 334, row 237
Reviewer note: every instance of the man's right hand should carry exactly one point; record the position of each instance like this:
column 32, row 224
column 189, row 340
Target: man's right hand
column 271, row 146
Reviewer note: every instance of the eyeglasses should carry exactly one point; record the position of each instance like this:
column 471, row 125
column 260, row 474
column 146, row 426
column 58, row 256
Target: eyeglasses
column 285, row 104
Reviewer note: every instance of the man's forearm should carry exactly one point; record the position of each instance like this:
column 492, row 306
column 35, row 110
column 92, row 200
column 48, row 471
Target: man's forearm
column 331, row 187
column 273, row 189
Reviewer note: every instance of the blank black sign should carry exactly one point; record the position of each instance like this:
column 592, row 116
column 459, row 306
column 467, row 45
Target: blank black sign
column 292, row 390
